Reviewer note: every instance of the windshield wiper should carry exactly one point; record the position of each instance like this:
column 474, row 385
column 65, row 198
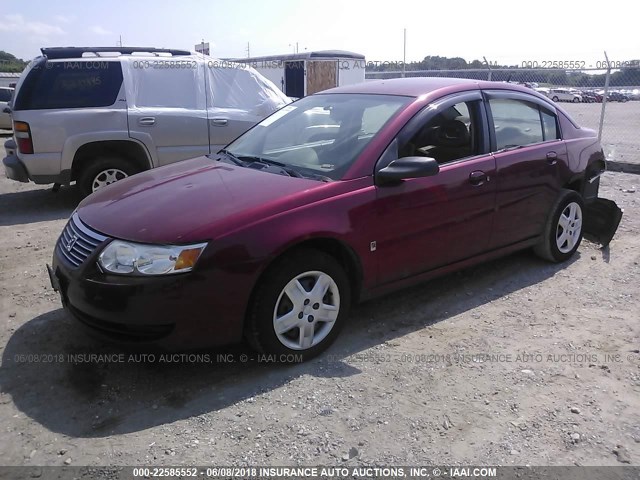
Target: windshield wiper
column 232, row 157
column 286, row 168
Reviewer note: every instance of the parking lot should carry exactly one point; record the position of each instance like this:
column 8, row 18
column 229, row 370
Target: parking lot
column 513, row 362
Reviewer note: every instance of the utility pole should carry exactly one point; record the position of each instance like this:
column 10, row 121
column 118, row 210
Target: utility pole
column 404, row 54
column 248, row 51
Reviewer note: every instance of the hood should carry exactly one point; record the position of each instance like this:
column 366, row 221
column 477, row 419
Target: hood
column 192, row 200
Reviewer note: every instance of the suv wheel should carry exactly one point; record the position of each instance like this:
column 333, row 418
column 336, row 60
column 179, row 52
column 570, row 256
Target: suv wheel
column 102, row 172
column 563, row 231
column 300, row 305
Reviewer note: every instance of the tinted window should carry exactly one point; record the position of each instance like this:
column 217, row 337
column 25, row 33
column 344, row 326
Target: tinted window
column 5, row 94
column 549, row 125
column 71, row 84
column 450, row 135
column 515, row 122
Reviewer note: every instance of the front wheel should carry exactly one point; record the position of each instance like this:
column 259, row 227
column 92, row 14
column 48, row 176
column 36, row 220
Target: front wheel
column 299, row 306
column 563, row 231
column 103, row 171
column 555, row 99
column 576, row 100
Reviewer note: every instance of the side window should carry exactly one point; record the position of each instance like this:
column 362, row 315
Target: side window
column 5, row 94
column 515, row 123
column 549, row 126
column 448, row 136
column 73, row 84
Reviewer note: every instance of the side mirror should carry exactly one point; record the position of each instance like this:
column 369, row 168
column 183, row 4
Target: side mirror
column 6, row 110
column 407, row 167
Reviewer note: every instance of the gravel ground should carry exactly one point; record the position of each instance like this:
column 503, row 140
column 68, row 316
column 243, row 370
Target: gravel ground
column 407, row 382
column 619, row 133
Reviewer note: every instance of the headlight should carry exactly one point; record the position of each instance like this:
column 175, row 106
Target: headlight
column 138, row 259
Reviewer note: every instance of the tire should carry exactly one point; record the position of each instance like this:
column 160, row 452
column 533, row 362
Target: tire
column 555, row 99
column 103, row 171
column 298, row 273
column 563, row 231
column 576, row 100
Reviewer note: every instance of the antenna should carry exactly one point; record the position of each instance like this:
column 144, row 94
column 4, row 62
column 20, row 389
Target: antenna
column 248, row 51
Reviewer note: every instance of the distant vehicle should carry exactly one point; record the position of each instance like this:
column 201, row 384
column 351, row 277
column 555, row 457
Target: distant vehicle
column 591, row 97
column 543, row 90
column 617, row 97
column 5, row 97
column 564, row 95
column 634, row 94
column 95, row 115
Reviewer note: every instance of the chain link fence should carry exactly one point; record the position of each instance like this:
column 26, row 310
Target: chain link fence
column 605, row 100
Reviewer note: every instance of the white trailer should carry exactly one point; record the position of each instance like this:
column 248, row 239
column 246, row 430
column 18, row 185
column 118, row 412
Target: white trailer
column 301, row 74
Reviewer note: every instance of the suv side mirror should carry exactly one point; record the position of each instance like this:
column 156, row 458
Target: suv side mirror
column 407, row 167
column 6, row 110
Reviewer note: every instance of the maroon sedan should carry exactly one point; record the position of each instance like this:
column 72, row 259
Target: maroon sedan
column 338, row 197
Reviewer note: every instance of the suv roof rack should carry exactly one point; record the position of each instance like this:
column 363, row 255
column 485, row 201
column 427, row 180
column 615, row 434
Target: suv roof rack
column 77, row 52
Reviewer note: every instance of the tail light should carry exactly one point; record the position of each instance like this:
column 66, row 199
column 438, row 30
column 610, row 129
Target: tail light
column 23, row 137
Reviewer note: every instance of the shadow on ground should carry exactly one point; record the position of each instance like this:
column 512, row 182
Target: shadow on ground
column 41, row 205
column 99, row 399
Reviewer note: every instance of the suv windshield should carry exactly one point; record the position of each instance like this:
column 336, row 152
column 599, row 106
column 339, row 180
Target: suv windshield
column 319, row 135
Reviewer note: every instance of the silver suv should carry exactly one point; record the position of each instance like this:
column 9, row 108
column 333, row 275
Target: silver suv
column 96, row 115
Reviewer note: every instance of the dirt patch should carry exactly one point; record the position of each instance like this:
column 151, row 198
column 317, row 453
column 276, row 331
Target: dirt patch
column 513, row 362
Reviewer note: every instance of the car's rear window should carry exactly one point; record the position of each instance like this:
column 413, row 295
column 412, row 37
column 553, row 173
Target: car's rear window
column 5, row 94
column 72, row 84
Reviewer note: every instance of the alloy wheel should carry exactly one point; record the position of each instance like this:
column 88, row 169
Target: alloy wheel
column 569, row 227
column 306, row 310
column 107, row 177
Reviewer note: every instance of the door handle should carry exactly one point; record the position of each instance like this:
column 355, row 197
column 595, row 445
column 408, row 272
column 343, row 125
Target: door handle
column 219, row 122
column 147, row 121
column 477, row 178
column 552, row 158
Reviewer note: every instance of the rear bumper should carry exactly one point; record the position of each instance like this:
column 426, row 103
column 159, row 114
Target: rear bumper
column 14, row 169
column 601, row 220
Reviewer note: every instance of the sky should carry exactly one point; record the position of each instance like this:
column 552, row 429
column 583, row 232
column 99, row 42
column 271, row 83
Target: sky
column 507, row 32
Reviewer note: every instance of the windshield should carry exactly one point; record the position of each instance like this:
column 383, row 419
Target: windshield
column 320, row 135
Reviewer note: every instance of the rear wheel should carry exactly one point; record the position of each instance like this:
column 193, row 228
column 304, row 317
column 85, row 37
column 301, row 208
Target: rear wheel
column 576, row 100
column 103, row 171
column 563, row 230
column 300, row 305
column 555, row 99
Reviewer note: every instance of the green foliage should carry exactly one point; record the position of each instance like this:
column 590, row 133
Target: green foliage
column 9, row 63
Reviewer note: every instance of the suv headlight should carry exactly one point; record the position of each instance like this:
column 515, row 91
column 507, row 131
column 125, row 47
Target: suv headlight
column 139, row 259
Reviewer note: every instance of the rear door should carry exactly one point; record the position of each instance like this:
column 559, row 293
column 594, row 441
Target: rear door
column 525, row 139
column 167, row 108
column 426, row 223
column 237, row 99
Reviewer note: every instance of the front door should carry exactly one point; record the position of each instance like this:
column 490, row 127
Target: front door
column 426, row 223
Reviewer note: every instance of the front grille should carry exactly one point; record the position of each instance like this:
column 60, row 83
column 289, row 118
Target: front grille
column 78, row 241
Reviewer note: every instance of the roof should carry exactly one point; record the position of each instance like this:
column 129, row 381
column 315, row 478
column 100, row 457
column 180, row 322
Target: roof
column 316, row 55
column 417, row 86
column 78, row 52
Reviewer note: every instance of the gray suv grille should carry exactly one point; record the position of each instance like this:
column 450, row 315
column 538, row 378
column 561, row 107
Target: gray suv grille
column 78, row 241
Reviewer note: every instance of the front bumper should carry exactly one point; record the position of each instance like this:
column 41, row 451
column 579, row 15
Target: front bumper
column 180, row 312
